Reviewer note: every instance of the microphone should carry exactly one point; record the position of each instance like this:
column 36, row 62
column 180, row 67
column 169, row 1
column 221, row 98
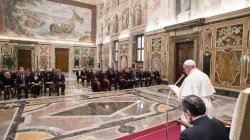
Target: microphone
column 171, row 88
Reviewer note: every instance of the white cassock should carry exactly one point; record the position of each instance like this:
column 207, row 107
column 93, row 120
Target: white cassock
column 198, row 83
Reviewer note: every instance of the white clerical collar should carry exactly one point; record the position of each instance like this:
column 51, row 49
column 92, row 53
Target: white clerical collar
column 199, row 117
column 193, row 70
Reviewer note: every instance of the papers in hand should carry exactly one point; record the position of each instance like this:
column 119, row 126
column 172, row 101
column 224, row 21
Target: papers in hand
column 175, row 89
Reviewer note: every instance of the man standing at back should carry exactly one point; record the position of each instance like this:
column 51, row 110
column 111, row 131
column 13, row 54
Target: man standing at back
column 197, row 83
column 203, row 128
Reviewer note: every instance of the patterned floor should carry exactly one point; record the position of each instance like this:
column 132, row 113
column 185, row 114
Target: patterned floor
column 82, row 114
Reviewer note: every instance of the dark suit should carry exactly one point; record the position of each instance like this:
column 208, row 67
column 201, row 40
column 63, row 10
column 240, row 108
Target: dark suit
column 1, row 79
column 101, row 78
column 157, row 77
column 80, row 75
column 205, row 129
column 21, row 79
column 148, row 79
column 58, row 79
column 47, row 77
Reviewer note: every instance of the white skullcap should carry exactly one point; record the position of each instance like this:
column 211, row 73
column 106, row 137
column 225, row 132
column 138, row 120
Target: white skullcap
column 189, row 62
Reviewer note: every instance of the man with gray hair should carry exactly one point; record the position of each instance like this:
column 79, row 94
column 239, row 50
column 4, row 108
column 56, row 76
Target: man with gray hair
column 197, row 83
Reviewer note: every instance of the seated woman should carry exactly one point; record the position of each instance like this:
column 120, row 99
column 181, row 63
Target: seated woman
column 8, row 83
column 36, row 84
column 95, row 85
column 120, row 80
column 106, row 82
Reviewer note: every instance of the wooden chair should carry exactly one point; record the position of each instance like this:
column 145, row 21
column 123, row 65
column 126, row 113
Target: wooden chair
column 241, row 123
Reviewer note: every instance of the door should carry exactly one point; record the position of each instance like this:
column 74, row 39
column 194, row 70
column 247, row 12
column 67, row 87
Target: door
column 184, row 51
column 62, row 59
column 24, row 59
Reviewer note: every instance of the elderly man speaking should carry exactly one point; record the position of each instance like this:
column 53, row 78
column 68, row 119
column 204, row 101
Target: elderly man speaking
column 197, row 83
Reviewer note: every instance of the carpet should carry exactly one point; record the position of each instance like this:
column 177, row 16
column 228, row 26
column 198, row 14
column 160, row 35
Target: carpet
column 156, row 133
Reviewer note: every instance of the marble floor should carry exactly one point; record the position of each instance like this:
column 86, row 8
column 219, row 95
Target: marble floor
column 82, row 114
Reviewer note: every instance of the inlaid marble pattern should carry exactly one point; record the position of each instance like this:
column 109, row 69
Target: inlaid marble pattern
column 97, row 116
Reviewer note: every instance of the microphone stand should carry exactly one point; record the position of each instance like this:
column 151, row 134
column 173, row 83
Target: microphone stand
column 171, row 88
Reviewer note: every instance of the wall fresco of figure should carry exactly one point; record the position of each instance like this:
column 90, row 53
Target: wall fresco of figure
column 125, row 19
column 138, row 15
column 116, row 24
column 207, row 38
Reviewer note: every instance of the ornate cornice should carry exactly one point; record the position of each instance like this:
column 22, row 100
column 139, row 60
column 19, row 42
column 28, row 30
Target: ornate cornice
column 185, row 25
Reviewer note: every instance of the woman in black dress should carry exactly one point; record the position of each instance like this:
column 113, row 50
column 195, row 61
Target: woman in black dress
column 36, row 84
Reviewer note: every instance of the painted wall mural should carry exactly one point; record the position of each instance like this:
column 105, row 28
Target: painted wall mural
column 115, row 3
column 156, row 54
column 162, row 13
column 44, row 19
column 207, row 38
column 248, row 34
column 107, row 5
column 125, row 19
column 6, row 49
column 247, row 69
column 137, row 15
column 116, row 24
column 101, row 30
column 107, row 28
column 124, row 48
column 105, row 56
column 123, row 54
column 81, row 56
column 42, row 56
column 229, row 35
column 156, row 62
column 156, row 44
column 228, row 67
column 43, row 62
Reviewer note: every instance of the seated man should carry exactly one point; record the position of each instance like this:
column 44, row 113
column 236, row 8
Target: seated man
column 113, row 79
column 48, row 82
column 157, row 77
column 148, row 77
column 59, row 81
column 203, row 128
column 22, row 85
column 80, row 75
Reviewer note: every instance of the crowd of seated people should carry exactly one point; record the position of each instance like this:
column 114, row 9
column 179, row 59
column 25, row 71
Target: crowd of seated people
column 102, row 80
column 31, row 82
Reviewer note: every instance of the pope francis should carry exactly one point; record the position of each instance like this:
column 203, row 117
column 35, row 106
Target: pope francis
column 197, row 83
